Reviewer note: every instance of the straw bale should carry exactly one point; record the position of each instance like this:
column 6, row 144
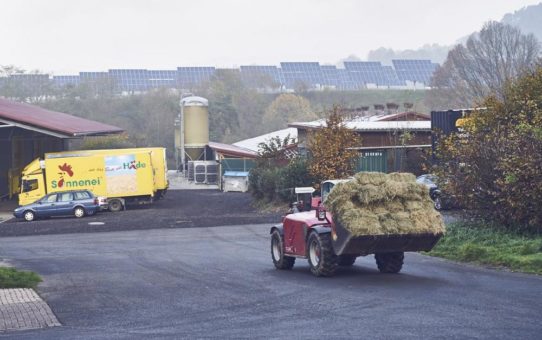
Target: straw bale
column 378, row 203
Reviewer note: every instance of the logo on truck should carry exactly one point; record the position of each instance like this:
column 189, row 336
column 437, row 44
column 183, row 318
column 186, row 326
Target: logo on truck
column 66, row 169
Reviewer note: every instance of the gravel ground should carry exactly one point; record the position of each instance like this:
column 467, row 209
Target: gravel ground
column 179, row 209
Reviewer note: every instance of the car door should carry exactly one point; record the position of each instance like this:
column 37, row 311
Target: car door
column 64, row 203
column 46, row 205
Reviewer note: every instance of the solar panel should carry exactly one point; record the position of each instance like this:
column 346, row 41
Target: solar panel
column 62, row 81
column 162, row 78
column 37, row 83
column 302, row 73
column 363, row 73
column 414, row 70
column 259, row 76
column 130, row 80
column 188, row 77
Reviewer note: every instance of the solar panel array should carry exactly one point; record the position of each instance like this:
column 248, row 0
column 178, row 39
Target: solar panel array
column 289, row 76
column 414, row 70
column 63, row 81
column 261, row 76
column 307, row 74
column 188, row 77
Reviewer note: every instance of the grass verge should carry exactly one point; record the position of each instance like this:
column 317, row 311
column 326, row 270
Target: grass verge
column 478, row 243
column 13, row 278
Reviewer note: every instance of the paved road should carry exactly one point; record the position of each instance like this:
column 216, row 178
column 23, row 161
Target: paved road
column 220, row 282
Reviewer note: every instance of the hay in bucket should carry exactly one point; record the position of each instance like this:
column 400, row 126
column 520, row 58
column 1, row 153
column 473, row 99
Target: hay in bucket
column 381, row 204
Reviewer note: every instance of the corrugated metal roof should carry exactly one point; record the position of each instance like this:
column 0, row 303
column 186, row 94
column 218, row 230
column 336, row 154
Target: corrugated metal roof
column 370, row 125
column 232, row 150
column 252, row 143
column 28, row 116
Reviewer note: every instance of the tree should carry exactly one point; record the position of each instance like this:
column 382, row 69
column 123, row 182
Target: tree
column 488, row 61
column 494, row 165
column 287, row 108
column 272, row 152
column 332, row 156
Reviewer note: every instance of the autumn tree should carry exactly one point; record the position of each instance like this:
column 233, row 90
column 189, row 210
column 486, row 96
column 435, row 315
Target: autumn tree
column 287, row 108
column 331, row 148
column 490, row 59
column 494, row 165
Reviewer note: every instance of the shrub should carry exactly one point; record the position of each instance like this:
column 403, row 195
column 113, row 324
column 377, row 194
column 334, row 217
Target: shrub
column 494, row 165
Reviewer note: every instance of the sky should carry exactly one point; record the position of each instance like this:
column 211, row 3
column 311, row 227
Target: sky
column 68, row 36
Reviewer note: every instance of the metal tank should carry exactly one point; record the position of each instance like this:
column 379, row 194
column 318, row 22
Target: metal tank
column 195, row 127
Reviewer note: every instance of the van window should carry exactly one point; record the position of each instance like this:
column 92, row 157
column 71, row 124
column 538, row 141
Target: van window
column 30, row 185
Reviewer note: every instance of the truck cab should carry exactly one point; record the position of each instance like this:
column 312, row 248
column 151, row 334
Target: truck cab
column 32, row 183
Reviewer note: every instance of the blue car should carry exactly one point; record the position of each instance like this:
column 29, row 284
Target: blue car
column 77, row 203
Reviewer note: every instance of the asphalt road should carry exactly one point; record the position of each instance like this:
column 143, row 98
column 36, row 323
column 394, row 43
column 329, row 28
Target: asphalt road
column 220, row 283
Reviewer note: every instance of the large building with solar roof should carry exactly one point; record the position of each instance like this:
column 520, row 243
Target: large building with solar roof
column 288, row 77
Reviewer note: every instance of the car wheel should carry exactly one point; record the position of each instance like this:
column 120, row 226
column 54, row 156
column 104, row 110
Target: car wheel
column 437, row 202
column 29, row 216
column 79, row 212
column 277, row 252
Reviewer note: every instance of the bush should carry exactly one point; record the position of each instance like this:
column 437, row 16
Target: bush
column 279, row 182
column 13, row 278
column 493, row 166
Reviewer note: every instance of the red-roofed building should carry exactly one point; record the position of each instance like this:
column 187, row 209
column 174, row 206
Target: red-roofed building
column 28, row 131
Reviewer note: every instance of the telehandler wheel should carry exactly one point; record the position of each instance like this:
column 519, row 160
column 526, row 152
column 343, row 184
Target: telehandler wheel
column 390, row 262
column 346, row 260
column 277, row 252
column 322, row 259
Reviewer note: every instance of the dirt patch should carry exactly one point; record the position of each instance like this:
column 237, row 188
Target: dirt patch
column 179, row 209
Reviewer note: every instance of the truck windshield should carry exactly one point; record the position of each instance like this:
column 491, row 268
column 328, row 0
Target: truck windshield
column 30, row 185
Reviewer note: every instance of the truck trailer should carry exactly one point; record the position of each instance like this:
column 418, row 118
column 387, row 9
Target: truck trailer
column 124, row 176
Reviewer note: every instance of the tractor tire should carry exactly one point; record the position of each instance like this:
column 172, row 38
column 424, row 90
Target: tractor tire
column 390, row 262
column 277, row 252
column 115, row 205
column 322, row 259
column 347, row 260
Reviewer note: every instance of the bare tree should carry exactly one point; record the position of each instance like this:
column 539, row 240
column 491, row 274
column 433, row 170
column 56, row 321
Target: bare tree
column 489, row 60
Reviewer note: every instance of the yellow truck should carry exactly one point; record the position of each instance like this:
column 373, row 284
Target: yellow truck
column 124, row 176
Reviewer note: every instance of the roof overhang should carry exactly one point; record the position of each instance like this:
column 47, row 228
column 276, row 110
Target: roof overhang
column 33, row 128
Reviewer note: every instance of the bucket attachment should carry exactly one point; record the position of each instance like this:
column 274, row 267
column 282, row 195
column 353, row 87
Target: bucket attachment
column 346, row 244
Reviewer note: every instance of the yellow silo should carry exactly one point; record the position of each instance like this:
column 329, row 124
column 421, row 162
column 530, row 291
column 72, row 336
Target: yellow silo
column 195, row 112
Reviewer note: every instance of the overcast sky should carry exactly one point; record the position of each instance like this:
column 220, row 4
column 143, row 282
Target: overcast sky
column 68, row 36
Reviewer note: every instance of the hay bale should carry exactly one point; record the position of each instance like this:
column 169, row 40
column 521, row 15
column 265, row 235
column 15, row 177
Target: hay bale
column 379, row 204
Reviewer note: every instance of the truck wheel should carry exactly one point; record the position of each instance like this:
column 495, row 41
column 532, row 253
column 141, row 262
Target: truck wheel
column 322, row 259
column 277, row 252
column 79, row 212
column 346, row 260
column 115, row 205
column 29, row 216
column 390, row 262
